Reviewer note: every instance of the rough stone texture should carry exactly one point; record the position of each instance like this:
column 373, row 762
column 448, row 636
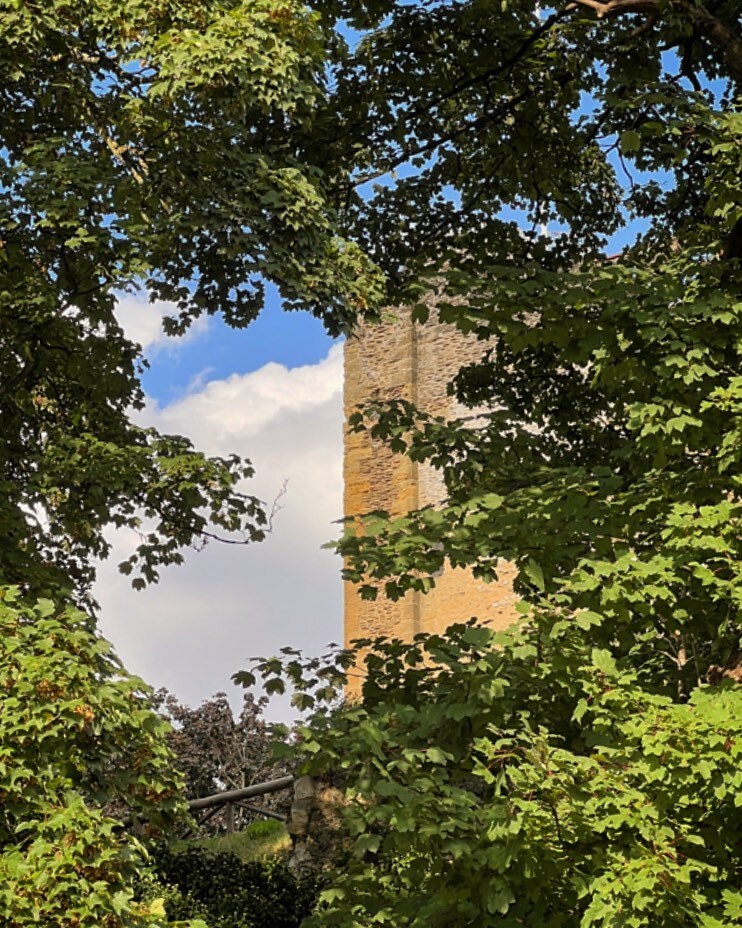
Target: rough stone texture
column 405, row 360
column 315, row 826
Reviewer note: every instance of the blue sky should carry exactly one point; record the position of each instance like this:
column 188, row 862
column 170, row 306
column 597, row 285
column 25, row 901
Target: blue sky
column 289, row 338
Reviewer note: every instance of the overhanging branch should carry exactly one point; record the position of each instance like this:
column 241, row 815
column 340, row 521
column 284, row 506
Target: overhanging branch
column 715, row 30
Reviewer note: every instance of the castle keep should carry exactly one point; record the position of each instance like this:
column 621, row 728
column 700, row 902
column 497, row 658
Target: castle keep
column 414, row 362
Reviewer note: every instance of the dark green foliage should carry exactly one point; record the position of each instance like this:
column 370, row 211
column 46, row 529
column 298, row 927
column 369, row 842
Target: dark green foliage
column 143, row 147
column 582, row 770
column 228, row 893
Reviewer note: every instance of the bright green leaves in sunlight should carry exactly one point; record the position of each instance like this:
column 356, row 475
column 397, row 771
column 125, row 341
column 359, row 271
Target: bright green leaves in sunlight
column 566, row 185
column 81, row 750
column 523, row 778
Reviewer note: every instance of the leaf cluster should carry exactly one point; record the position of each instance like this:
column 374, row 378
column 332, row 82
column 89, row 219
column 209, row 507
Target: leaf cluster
column 526, row 777
column 80, row 750
column 156, row 148
column 228, row 893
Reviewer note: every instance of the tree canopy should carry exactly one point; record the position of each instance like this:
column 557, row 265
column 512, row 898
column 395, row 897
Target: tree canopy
column 217, row 750
column 143, row 146
column 567, row 182
column 608, row 468
column 155, row 147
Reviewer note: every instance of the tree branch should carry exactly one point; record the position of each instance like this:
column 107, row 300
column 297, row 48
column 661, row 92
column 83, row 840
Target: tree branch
column 615, row 7
column 719, row 33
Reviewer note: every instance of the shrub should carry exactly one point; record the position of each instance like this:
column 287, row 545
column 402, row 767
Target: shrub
column 486, row 788
column 228, row 893
column 79, row 749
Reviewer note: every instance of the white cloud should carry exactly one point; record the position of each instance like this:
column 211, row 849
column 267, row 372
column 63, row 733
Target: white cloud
column 142, row 322
column 204, row 619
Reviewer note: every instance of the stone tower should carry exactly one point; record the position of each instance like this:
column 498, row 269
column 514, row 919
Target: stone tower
column 415, row 362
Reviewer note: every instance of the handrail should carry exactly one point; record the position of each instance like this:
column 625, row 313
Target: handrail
column 227, row 798
column 234, row 795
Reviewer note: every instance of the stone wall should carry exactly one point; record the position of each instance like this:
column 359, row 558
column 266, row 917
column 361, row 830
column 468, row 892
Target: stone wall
column 405, row 360
column 315, row 826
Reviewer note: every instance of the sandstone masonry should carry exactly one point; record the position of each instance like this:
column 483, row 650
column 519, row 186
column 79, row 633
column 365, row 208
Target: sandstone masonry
column 401, row 359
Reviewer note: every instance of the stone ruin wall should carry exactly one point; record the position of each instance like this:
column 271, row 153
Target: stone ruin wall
column 405, row 360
